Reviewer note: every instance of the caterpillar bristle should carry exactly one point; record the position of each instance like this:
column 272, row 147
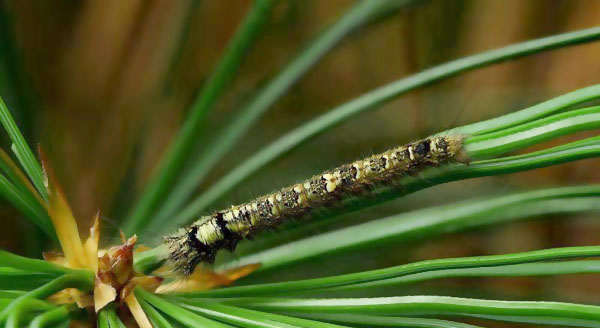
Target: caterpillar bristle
column 200, row 242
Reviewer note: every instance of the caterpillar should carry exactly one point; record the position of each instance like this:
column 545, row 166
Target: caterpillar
column 200, row 241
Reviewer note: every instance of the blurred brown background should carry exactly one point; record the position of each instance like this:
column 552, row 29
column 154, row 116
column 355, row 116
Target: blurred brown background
column 103, row 85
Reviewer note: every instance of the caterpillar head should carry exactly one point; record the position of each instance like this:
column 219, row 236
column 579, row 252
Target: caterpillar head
column 186, row 251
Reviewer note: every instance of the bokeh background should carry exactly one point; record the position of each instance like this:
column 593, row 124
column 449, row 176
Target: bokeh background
column 104, row 85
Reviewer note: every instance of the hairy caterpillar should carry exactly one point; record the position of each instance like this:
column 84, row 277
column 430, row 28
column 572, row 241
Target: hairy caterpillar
column 200, row 241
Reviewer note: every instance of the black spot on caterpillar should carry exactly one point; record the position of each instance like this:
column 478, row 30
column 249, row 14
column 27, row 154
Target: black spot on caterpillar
column 200, row 241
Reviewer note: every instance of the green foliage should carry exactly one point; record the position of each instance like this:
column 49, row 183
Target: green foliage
column 179, row 314
column 183, row 144
column 417, row 225
column 56, row 316
column 374, row 99
column 355, row 18
column 13, row 185
column 22, row 150
column 107, row 318
column 25, row 283
column 552, row 313
column 320, row 284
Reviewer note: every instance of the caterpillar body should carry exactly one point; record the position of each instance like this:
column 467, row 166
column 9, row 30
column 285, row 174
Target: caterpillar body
column 200, row 241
